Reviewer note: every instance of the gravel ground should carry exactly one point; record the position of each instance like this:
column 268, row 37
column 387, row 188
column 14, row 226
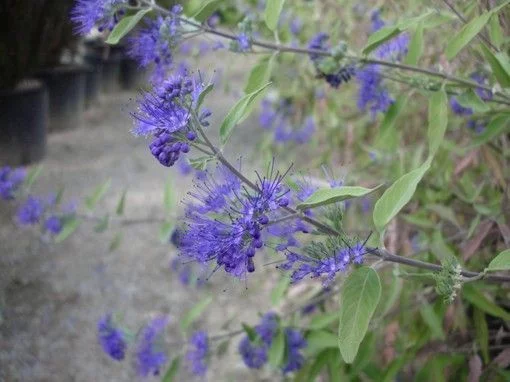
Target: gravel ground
column 52, row 295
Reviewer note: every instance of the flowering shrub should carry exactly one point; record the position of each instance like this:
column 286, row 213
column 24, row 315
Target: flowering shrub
column 383, row 109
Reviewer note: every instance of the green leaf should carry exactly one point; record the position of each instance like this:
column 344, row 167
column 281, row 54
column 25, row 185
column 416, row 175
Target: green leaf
column 320, row 361
column 121, row 205
column 115, row 243
column 397, row 196
column 97, row 195
column 501, row 262
column 500, row 65
column 204, row 94
column 482, row 333
column 319, row 340
column 322, row 321
column 432, row 320
column 471, row 100
column 380, row 37
column 438, row 120
column 277, row 349
column 272, row 13
column 125, row 25
column 497, row 126
column 168, row 196
column 415, row 46
column 326, row 196
column 200, row 164
column 279, row 290
column 195, row 313
column 260, row 74
column 478, row 299
column 364, row 356
column 165, row 231
column 206, row 9
column 103, row 224
column 222, row 348
column 360, row 295
column 32, row 176
column 495, row 32
column 172, row 371
column 466, row 34
column 237, row 113
column 250, row 332
column 69, row 227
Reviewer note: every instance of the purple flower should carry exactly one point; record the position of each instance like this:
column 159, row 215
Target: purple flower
column 197, row 354
column 318, row 42
column 53, row 225
column 112, row 339
column 372, row 93
column 295, row 25
column 31, row 211
column 295, row 343
column 105, row 13
column 213, row 20
column 226, row 224
column 164, row 114
column 267, row 328
column 10, row 181
column 242, row 43
column 327, row 265
column 254, row 356
column 150, row 354
column 376, row 21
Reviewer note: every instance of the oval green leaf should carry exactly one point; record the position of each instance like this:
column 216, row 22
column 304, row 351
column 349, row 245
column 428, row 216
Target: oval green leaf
column 125, row 25
column 172, row 371
column 380, row 37
column 326, row 196
column 361, row 292
column 277, row 349
column 438, row 120
column 398, row 195
column 272, row 13
column 259, row 74
column 501, row 262
column 415, row 46
column 69, row 227
column 195, row 312
column 466, row 34
column 238, row 113
column 206, row 9
column 498, row 125
column 471, row 100
column 478, row 299
column 500, row 65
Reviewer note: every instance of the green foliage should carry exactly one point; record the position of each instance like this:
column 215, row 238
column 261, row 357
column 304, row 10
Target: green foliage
column 238, row 113
column 125, row 26
column 360, row 295
column 172, row 371
column 277, row 350
column 195, row 312
column 501, row 262
column 272, row 13
column 98, row 194
column 327, row 196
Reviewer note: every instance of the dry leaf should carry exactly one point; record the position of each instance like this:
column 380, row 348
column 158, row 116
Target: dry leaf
column 465, row 162
column 503, row 359
column 475, row 368
column 469, row 249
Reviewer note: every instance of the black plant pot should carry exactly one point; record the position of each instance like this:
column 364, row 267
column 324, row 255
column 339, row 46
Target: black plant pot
column 132, row 76
column 94, row 74
column 23, row 123
column 111, row 75
column 66, row 87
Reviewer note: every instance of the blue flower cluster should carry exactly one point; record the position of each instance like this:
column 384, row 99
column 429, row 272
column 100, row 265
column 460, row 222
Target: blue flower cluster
column 342, row 75
column 372, row 93
column 10, row 182
column 255, row 352
column 150, row 353
column 198, row 352
column 154, row 44
column 166, row 114
column 86, row 14
column 278, row 117
column 323, row 263
column 35, row 210
column 111, row 338
column 476, row 124
column 225, row 223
